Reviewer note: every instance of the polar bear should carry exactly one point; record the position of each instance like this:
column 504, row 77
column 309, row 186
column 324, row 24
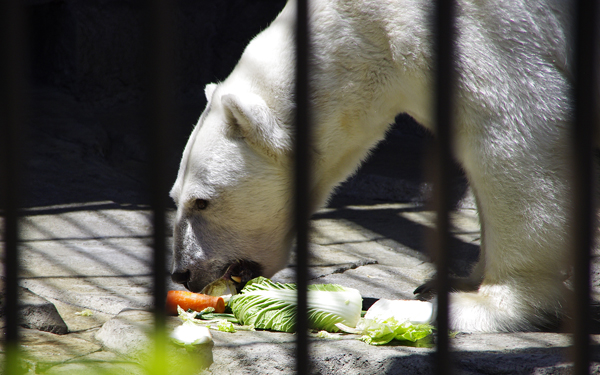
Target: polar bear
column 371, row 61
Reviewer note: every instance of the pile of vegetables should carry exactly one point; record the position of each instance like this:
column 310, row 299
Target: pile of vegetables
column 264, row 304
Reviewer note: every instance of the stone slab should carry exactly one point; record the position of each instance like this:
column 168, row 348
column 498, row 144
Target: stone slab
column 101, row 220
column 381, row 281
column 96, row 368
column 272, row 353
column 43, row 350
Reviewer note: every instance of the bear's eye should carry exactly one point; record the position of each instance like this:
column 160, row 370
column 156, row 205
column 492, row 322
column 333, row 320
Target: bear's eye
column 200, row 204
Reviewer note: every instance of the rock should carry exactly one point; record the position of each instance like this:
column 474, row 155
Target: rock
column 128, row 334
column 36, row 312
column 39, row 313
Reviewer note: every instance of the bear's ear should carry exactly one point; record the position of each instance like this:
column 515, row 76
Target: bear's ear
column 209, row 90
column 251, row 118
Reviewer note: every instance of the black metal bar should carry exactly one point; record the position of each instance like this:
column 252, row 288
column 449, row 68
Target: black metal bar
column 12, row 120
column 159, row 41
column 302, row 177
column 444, row 112
column 583, row 208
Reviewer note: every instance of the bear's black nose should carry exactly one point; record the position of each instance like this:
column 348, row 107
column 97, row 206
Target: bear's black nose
column 181, row 277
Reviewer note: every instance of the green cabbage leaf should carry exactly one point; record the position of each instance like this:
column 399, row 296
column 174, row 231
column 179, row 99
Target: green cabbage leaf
column 382, row 331
column 376, row 332
column 270, row 305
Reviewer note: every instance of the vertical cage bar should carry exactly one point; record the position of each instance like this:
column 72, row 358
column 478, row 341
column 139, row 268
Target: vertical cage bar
column 12, row 121
column 302, row 177
column 444, row 85
column 583, row 184
column 159, row 113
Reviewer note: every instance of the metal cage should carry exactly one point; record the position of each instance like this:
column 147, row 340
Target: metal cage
column 13, row 100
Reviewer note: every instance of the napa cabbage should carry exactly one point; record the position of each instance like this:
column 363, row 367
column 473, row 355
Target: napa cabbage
column 270, row 305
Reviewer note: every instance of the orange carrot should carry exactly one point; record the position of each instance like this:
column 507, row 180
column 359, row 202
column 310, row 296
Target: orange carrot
column 194, row 301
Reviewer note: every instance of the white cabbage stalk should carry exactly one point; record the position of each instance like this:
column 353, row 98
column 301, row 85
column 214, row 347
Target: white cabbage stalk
column 416, row 312
column 189, row 334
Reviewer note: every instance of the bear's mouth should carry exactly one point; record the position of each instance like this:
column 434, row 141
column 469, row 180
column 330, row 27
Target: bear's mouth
column 235, row 275
column 242, row 271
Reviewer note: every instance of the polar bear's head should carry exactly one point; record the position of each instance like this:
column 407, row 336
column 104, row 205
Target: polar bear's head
column 233, row 192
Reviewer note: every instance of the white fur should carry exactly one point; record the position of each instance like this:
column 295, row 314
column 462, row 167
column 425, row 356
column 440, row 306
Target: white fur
column 373, row 60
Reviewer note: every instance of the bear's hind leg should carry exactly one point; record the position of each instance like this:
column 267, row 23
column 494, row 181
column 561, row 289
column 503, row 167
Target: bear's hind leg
column 522, row 305
column 523, row 199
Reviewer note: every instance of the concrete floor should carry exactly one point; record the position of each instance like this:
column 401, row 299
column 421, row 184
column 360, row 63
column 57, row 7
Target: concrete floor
column 97, row 257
